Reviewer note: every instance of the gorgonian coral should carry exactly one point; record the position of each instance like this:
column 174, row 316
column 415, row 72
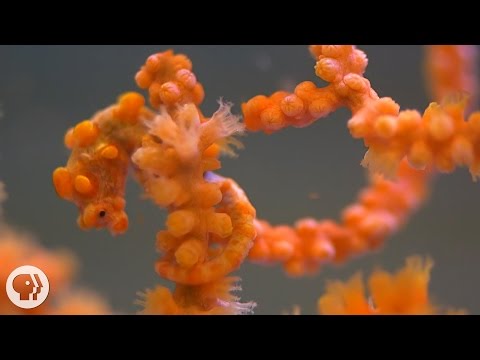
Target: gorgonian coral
column 174, row 149
column 405, row 148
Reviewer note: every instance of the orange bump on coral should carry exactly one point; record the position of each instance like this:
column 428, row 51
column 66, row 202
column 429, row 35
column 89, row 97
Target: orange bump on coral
column 169, row 80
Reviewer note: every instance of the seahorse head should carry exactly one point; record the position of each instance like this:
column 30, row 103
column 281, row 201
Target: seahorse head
column 94, row 179
column 106, row 213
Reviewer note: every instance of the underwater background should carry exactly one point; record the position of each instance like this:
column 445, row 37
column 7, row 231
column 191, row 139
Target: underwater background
column 315, row 172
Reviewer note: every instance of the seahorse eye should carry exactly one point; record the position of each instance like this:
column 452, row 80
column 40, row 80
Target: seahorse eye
column 102, row 213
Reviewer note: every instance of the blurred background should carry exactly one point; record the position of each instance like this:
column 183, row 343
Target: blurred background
column 44, row 90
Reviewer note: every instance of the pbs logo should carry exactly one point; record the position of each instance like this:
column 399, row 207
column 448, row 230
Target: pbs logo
column 27, row 287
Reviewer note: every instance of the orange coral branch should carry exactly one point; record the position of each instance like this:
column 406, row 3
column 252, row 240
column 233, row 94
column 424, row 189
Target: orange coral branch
column 233, row 230
column 402, row 293
column 439, row 139
column 169, row 79
column 451, row 69
column 341, row 66
column 381, row 210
